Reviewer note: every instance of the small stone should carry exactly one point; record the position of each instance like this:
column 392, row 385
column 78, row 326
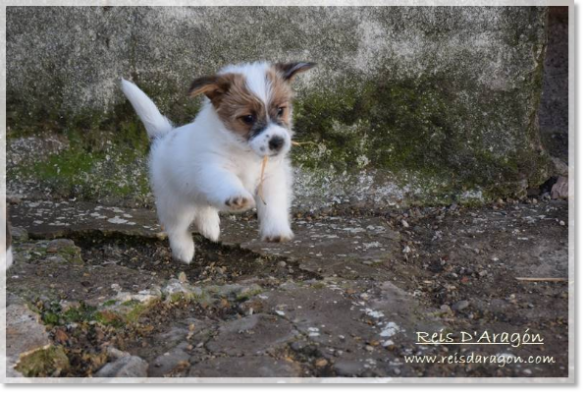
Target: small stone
column 446, row 308
column 281, row 264
column 483, row 273
column 124, row 367
column 168, row 362
column 406, row 249
column 298, row 346
column 404, row 223
column 460, row 305
column 320, row 363
column 183, row 277
column 19, row 234
column 57, row 244
column 560, row 167
column 367, row 262
column 560, row 189
column 348, row 368
column 562, row 223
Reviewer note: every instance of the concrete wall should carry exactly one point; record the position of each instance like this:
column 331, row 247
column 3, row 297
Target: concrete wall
column 409, row 105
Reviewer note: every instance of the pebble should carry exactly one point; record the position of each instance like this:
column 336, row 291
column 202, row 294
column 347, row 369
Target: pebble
column 167, row 362
column 19, row 234
column 124, row 367
column 281, row 264
column 404, row 223
column 445, row 308
column 460, row 305
column 55, row 245
column 562, row 223
column 348, row 368
column 183, row 277
column 320, row 363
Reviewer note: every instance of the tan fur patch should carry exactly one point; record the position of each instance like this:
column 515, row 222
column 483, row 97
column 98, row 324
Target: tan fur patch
column 281, row 97
column 237, row 103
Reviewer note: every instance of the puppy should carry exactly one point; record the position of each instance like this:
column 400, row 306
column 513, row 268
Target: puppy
column 214, row 163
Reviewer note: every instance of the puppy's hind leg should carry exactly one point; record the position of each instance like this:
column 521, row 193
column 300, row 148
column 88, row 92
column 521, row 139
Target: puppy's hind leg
column 207, row 222
column 176, row 220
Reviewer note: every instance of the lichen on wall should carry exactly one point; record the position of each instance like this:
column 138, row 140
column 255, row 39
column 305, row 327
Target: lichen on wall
column 409, row 105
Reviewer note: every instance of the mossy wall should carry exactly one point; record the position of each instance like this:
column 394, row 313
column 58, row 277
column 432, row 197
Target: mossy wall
column 409, row 105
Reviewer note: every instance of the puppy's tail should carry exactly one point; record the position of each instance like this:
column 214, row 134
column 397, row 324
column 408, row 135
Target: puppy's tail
column 156, row 124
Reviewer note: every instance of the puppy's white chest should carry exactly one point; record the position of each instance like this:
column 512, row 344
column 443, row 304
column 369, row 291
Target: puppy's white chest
column 250, row 176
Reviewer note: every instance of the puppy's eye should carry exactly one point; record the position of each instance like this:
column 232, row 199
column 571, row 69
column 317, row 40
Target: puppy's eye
column 248, row 119
column 281, row 111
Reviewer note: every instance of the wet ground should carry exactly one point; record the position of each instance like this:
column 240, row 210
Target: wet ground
column 345, row 298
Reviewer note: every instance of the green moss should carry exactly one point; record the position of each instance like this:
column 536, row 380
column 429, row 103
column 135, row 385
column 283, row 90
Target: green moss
column 106, row 166
column 46, row 362
column 72, row 254
column 109, row 303
column 109, row 318
column 177, row 297
column 423, row 127
column 81, row 314
column 136, row 311
column 51, row 318
column 248, row 292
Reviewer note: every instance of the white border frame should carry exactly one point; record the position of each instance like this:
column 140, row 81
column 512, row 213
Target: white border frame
column 429, row 380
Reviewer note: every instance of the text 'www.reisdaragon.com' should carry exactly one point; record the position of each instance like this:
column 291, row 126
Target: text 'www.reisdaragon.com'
column 501, row 359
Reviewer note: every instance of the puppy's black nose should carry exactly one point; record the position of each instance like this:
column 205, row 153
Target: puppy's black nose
column 276, row 143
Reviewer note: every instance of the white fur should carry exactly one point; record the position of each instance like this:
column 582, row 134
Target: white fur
column 6, row 259
column 9, row 257
column 156, row 124
column 196, row 168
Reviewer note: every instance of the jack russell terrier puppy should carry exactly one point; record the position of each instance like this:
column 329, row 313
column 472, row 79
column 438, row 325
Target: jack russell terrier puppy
column 214, row 163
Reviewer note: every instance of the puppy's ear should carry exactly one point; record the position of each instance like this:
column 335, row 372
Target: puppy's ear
column 212, row 86
column 289, row 70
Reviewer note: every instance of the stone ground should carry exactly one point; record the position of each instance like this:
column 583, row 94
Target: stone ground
column 94, row 292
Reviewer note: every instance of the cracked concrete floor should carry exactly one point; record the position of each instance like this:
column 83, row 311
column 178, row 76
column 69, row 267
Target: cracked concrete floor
column 345, row 298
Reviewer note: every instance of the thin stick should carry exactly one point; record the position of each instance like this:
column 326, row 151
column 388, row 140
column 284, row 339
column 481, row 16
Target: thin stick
column 295, row 143
column 260, row 191
column 543, row 279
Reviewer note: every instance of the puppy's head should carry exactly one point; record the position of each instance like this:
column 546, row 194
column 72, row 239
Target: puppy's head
column 254, row 102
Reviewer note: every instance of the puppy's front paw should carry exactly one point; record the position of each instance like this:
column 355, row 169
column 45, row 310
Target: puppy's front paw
column 240, row 203
column 277, row 236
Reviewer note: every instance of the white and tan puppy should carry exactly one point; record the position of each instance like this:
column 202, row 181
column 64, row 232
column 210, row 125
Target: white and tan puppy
column 214, row 163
